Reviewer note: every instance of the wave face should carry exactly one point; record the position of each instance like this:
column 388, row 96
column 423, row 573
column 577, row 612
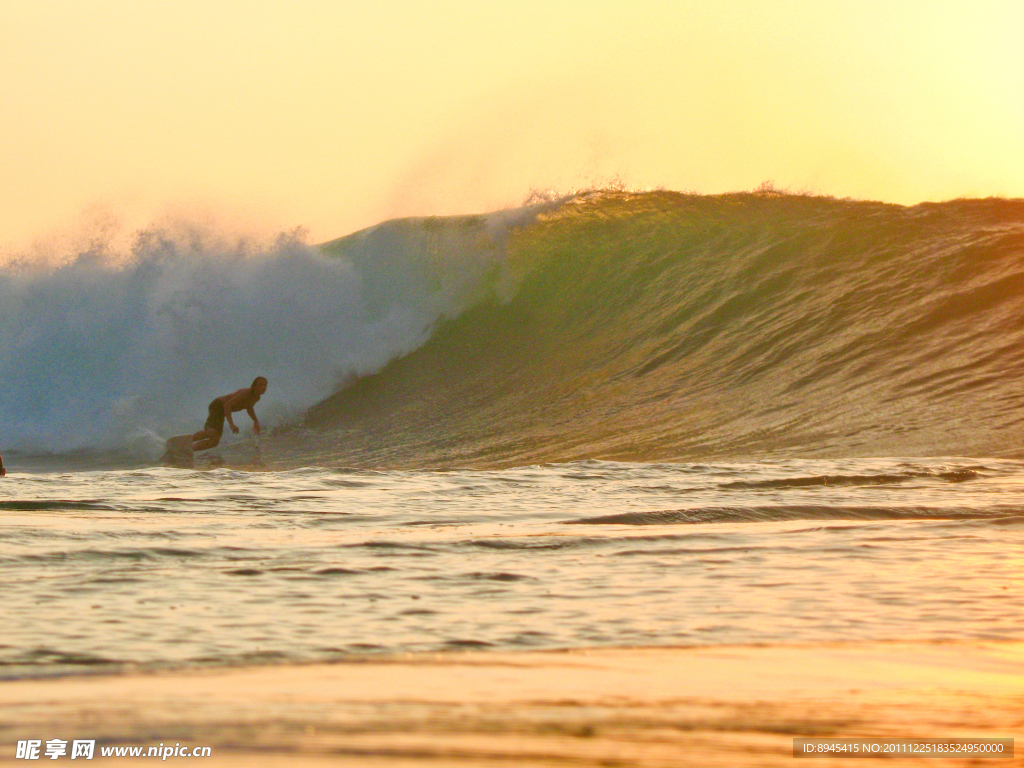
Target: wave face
column 621, row 326
column 106, row 351
column 664, row 326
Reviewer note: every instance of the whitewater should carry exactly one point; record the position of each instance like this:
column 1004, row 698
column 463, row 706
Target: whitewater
column 606, row 419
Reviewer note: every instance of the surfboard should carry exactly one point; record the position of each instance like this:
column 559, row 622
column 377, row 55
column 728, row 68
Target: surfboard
column 178, row 452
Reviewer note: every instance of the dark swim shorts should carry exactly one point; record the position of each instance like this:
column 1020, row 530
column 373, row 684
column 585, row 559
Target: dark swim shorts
column 215, row 420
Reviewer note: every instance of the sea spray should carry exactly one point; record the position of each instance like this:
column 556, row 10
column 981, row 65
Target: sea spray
column 110, row 348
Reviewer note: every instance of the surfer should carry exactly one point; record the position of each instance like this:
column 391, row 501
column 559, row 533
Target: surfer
column 222, row 407
column 2, row 470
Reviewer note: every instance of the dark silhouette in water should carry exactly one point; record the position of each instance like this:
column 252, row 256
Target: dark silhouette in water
column 179, row 450
column 222, row 407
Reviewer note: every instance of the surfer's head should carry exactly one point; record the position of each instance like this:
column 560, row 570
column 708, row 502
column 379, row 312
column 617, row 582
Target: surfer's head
column 259, row 385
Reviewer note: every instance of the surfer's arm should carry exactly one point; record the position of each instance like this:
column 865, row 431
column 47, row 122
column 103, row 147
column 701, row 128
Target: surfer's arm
column 229, row 406
column 255, row 421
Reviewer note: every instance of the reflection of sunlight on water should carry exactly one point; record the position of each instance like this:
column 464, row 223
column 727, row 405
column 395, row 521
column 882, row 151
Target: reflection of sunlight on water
column 188, row 567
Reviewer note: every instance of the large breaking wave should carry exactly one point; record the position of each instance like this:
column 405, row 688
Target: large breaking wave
column 610, row 325
column 663, row 326
column 105, row 348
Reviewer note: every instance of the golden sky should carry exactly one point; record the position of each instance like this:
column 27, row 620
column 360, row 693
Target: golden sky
column 337, row 114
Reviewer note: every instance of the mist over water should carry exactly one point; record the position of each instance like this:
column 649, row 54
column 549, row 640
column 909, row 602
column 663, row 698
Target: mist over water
column 109, row 349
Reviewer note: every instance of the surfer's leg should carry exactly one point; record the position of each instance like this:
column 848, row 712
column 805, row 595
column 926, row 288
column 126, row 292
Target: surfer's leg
column 178, row 452
column 210, row 434
column 204, row 439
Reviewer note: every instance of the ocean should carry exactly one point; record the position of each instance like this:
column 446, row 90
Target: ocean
column 610, row 419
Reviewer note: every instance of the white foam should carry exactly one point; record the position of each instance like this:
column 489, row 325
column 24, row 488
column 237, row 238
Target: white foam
column 106, row 349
